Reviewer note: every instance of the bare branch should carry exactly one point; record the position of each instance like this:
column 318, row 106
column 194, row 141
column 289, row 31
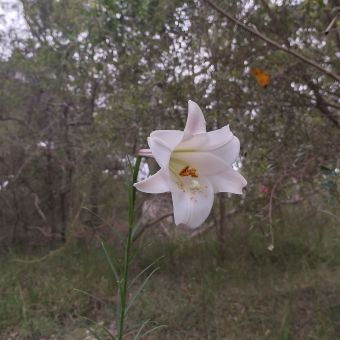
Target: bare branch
column 45, row 233
column 273, row 42
column 37, row 207
column 321, row 104
column 12, row 119
column 331, row 24
column 148, row 225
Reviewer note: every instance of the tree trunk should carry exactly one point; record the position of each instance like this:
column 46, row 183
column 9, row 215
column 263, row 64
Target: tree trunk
column 67, row 176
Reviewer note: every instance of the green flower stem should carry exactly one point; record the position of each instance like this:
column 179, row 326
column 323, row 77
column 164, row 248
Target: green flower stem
column 127, row 254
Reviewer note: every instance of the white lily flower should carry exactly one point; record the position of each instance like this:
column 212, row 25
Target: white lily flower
column 195, row 165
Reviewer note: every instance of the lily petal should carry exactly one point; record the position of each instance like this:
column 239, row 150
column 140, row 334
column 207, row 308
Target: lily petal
column 192, row 208
column 195, row 123
column 220, row 136
column 228, row 152
column 207, row 141
column 221, row 143
column 169, row 137
column 155, row 184
column 160, row 150
column 228, row 181
column 206, row 163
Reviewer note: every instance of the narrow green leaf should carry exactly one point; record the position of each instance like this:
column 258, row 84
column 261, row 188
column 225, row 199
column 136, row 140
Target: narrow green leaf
column 117, row 234
column 134, row 177
column 111, row 264
column 140, row 289
column 143, row 271
column 136, row 227
column 129, row 163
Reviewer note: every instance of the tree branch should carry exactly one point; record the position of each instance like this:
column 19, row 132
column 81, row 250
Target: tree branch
column 272, row 42
column 321, row 104
column 13, row 119
column 147, row 226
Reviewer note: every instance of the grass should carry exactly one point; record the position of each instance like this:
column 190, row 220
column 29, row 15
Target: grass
column 202, row 290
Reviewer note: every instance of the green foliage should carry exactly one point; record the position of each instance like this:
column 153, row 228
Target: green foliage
column 331, row 183
column 95, row 77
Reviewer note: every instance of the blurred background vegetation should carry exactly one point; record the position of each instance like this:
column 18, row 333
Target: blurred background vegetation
column 84, row 82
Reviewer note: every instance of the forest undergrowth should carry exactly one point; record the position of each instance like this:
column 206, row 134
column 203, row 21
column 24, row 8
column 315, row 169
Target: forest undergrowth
column 203, row 290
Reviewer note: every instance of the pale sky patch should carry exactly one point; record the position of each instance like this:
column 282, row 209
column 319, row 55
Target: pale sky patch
column 12, row 25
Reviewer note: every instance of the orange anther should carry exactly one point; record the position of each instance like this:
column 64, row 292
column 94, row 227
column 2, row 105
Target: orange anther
column 188, row 171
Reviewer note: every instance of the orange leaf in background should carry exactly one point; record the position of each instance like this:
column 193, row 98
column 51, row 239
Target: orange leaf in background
column 261, row 76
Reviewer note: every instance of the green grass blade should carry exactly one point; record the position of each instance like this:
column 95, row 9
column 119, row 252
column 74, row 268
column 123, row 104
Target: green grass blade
column 95, row 334
column 137, row 336
column 87, row 294
column 107, row 331
column 153, row 330
column 97, row 337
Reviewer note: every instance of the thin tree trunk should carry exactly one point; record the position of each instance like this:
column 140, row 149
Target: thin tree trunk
column 221, row 222
column 66, row 190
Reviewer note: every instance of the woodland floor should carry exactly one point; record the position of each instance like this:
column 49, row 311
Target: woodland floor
column 201, row 291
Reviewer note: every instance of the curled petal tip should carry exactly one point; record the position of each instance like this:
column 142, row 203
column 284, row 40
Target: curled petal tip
column 195, row 122
column 155, row 184
column 145, row 153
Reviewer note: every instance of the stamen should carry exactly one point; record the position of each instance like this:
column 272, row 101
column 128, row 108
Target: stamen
column 181, row 186
column 188, row 171
column 194, row 185
column 184, row 171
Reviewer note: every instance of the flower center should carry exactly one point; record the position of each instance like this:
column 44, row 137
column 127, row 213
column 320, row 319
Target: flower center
column 188, row 171
column 186, row 177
